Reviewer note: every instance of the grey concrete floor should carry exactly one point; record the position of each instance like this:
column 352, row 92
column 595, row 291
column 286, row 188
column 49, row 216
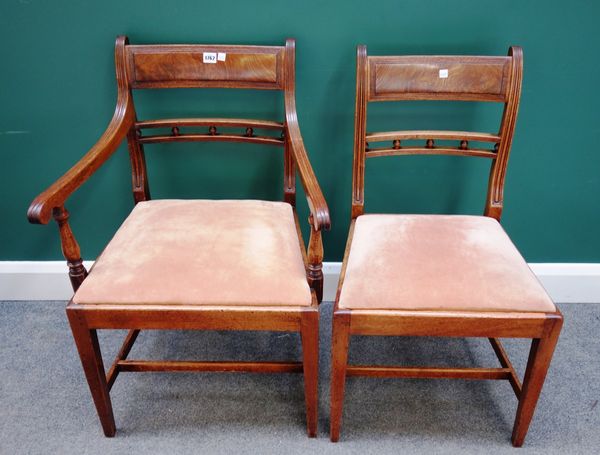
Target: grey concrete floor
column 46, row 406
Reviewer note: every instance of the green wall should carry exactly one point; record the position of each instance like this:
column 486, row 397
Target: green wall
column 57, row 94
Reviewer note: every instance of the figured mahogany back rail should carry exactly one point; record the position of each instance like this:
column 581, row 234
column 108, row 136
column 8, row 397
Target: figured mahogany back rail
column 186, row 66
column 423, row 78
column 194, row 66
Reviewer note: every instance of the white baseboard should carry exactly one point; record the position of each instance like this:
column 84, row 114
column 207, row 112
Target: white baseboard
column 48, row 280
column 35, row 280
column 570, row 283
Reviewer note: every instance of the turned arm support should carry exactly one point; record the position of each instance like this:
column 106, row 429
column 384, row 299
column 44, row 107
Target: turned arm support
column 70, row 248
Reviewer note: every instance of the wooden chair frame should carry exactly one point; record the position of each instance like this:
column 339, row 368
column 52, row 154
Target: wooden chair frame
column 169, row 66
column 390, row 78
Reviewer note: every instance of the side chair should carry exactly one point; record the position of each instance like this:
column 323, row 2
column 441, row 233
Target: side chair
column 440, row 275
column 196, row 264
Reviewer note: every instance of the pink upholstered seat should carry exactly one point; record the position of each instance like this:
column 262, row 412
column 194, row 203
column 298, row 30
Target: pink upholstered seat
column 201, row 252
column 438, row 262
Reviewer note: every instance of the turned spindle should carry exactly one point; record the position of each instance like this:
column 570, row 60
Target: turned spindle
column 175, row 131
column 429, row 143
column 314, row 269
column 70, row 248
column 396, row 144
column 464, row 145
column 212, row 130
column 249, row 132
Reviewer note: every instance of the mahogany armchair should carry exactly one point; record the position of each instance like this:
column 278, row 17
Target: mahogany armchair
column 196, row 264
column 440, row 275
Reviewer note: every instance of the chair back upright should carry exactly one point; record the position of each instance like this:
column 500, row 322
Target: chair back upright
column 454, row 78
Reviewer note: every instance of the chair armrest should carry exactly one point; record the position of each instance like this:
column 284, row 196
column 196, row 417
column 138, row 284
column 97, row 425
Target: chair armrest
column 40, row 210
column 316, row 201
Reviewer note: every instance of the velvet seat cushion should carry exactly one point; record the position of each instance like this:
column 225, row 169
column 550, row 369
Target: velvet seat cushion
column 201, row 252
column 438, row 262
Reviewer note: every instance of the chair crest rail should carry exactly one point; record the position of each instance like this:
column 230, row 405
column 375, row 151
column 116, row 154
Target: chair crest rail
column 204, row 65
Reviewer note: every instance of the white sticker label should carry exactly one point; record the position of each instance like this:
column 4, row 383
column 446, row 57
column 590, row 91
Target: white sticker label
column 209, row 57
column 221, row 56
column 443, row 74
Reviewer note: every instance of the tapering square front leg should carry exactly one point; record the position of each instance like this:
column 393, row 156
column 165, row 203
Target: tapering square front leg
column 91, row 359
column 340, row 339
column 310, row 360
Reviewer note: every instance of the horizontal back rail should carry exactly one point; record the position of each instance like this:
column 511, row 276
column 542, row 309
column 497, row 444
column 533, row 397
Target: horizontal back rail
column 460, row 78
column 426, row 134
column 219, row 66
column 482, row 153
column 462, row 149
column 212, row 134
column 208, row 137
column 225, row 122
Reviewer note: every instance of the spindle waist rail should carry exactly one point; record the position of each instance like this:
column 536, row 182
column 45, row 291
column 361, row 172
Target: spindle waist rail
column 430, row 148
column 213, row 133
